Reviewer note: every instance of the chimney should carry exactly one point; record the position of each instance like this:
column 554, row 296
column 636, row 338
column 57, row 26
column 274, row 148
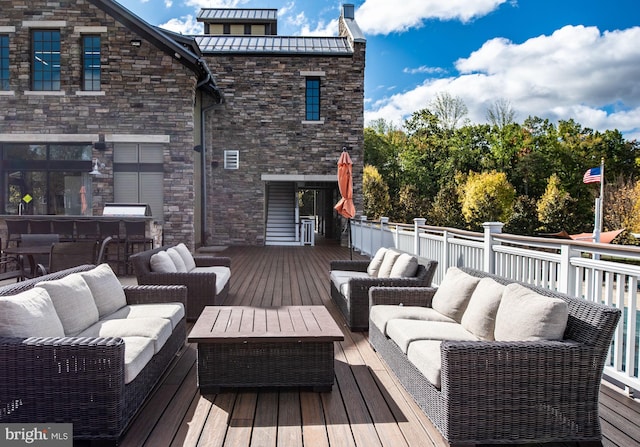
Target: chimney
column 348, row 11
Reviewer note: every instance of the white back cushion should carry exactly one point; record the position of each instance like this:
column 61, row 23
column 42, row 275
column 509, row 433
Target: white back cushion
column 29, row 314
column 177, row 260
column 376, row 262
column 73, row 301
column 480, row 316
column 454, row 292
column 405, row 266
column 186, row 256
column 161, row 262
column 106, row 289
column 387, row 263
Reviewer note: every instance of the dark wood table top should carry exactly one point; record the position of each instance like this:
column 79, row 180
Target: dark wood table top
column 28, row 250
column 233, row 324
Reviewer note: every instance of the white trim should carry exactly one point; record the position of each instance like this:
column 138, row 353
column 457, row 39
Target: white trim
column 299, row 178
column 48, row 138
column 312, row 122
column 89, row 29
column 90, row 93
column 44, row 23
column 7, row 93
column 44, row 92
column 7, row 29
column 312, row 73
column 137, row 138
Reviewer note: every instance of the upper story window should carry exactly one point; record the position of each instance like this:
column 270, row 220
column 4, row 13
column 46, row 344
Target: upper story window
column 4, row 62
column 312, row 99
column 45, row 63
column 91, row 62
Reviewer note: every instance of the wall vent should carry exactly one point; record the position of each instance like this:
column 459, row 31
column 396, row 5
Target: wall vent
column 231, row 159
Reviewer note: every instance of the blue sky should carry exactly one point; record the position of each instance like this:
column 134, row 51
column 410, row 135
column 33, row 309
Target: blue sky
column 554, row 59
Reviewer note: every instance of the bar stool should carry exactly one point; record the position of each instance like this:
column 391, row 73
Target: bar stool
column 16, row 227
column 114, row 252
column 87, row 230
column 135, row 239
column 64, row 229
column 39, row 226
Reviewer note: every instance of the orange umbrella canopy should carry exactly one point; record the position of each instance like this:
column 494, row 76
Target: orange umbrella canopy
column 345, row 206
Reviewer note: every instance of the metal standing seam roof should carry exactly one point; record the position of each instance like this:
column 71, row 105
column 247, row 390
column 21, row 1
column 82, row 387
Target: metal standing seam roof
column 220, row 14
column 274, row 44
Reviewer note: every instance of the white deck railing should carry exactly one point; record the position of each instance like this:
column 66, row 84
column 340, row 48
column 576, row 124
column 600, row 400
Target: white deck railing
column 602, row 273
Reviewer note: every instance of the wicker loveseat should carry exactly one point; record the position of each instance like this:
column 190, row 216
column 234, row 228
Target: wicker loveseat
column 95, row 377
column 351, row 280
column 207, row 277
column 479, row 390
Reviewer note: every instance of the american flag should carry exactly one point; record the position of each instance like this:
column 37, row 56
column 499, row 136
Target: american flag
column 592, row 176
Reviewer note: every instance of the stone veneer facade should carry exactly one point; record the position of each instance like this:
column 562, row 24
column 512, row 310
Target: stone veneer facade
column 262, row 117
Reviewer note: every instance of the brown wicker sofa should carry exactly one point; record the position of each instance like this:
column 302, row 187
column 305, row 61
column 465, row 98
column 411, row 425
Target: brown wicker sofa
column 207, row 280
column 525, row 389
column 95, row 382
column 351, row 280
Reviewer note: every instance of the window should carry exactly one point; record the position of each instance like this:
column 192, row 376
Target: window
column 4, row 62
column 45, row 64
column 312, row 101
column 91, row 62
column 51, row 175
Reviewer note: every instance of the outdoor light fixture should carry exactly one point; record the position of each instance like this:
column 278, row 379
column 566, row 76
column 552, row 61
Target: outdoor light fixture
column 96, row 167
column 135, row 42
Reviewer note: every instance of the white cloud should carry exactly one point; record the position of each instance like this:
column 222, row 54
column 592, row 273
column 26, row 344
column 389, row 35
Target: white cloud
column 183, row 25
column 385, row 17
column 215, row 3
column 424, row 69
column 576, row 72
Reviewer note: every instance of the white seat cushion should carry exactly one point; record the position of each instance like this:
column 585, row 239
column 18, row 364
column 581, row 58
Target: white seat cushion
column 223, row 274
column 137, row 353
column 404, row 332
column 405, row 266
column 454, row 292
column 73, row 301
column 106, row 289
column 425, row 355
column 340, row 279
column 161, row 262
column 177, row 260
column 382, row 313
column 526, row 315
column 184, row 252
column 174, row 312
column 480, row 316
column 29, row 314
column 158, row 329
column 376, row 262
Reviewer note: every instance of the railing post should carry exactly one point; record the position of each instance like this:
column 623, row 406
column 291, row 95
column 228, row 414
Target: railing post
column 489, row 259
column 567, row 280
column 417, row 222
column 383, row 222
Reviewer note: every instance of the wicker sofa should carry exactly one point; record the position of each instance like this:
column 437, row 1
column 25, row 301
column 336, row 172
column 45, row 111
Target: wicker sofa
column 56, row 370
column 207, row 277
column 538, row 383
column 351, row 280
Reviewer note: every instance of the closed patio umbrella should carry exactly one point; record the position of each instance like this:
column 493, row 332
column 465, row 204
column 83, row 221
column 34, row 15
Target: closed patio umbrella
column 345, row 206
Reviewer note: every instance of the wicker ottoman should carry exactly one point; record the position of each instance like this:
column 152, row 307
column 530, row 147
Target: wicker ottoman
column 265, row 347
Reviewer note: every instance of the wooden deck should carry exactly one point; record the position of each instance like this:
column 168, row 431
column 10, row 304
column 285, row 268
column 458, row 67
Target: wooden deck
column 367, row 406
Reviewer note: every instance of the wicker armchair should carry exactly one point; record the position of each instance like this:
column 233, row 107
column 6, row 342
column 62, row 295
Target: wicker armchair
column 81, row 380
column 355, row 308
column 201, row 286
column 509, row 392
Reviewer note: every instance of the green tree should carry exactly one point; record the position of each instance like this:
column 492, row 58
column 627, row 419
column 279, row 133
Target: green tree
column 375, row 194
column 556, row 208
column 410, row 205
column 486, row 197
column 445, row 210
column 524, row 219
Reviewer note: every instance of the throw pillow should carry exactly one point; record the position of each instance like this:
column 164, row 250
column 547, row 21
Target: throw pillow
column 526, row 315
column 29, row 314
column 453, row 293
column 376, row 262
column 480, row 316
column 177, row 260
column 73, row 302
column 106, row 289
column 161, row 263
column 189, row 262
column 387, row 263
column 405, row 266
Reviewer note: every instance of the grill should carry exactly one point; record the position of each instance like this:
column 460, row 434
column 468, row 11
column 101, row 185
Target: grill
column 126, row 209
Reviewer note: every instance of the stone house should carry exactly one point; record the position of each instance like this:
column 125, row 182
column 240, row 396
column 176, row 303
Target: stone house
column 217, row 133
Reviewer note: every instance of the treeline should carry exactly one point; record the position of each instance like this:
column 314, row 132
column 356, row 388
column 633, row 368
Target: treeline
column 528, row 175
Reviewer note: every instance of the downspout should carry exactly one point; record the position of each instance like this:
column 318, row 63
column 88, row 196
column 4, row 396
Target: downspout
column 203, row 164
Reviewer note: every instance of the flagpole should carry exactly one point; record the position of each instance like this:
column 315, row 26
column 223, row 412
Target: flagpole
column 601, row 216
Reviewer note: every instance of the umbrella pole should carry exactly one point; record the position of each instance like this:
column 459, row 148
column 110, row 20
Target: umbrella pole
column 349, row 239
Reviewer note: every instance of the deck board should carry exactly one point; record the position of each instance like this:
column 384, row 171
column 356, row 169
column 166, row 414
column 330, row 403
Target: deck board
column 366, row 407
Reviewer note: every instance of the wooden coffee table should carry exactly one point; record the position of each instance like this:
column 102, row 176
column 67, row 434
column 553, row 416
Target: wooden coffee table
column 290, row 346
